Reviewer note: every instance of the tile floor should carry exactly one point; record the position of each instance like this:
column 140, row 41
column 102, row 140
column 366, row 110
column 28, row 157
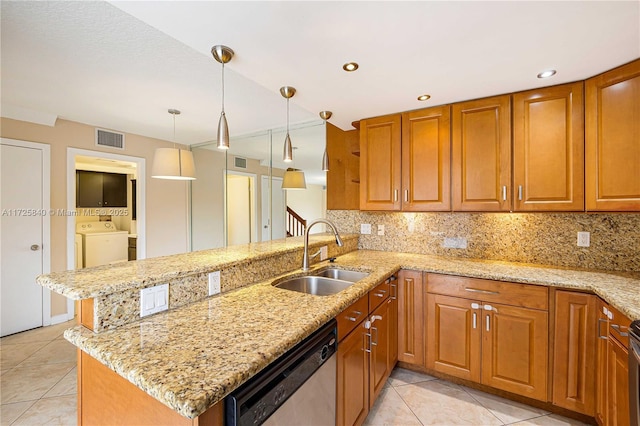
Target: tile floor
column 38, row 387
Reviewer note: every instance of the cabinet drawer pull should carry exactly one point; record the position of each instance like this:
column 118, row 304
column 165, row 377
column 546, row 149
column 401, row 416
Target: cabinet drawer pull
column 600, row 321
column 520, row 192
column 617, row 328
column 477, row 290
column 354, row 319
column 504, row 193
column 394, row 293
column 380, row 293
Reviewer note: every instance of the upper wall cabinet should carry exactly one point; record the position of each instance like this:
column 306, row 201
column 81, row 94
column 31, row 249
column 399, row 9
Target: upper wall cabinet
column 548, row 149
column 380, row 150
column 481, row 170
column 613, row 139
column 426, row 159
column 343, row 177
column 97, row 189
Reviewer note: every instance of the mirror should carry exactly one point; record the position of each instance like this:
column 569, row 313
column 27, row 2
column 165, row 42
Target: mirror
column 237, row 197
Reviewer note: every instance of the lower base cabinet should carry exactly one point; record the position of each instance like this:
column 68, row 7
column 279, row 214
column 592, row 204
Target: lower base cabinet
column 353, row 378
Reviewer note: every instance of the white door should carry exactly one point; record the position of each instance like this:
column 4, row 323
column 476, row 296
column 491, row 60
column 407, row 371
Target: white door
column 23, row 213
column 277, row 209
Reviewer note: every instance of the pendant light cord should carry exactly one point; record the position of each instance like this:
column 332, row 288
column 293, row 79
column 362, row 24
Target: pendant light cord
column 223, row 87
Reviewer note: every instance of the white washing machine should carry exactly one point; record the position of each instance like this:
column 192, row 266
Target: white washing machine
column 102, row 243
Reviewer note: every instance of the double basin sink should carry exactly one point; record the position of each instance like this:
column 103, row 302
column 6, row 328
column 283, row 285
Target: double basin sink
column 324, row 282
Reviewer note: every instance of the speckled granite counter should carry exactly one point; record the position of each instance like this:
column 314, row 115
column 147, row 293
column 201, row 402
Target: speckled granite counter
column 192, row 357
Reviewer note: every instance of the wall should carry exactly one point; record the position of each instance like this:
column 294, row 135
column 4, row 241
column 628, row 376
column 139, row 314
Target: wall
column 166, row 201
column 540, row 238
column 310, row 204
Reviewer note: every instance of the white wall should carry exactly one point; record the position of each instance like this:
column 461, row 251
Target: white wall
column 310, row 203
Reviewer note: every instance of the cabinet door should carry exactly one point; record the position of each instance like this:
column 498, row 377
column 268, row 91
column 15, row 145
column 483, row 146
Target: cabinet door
column 453, row 336
column 617, row 383
column 353, row 378
column 481, row 166
column 601, row 360
column 114, row 190
column 410, row 318
column 88, row 189
column 426, row 158
column 380, row 158
column 574, row 353
column 612, row 139
column 379, row 369
column 548, row 149
column 343, row 177
column 515, row 350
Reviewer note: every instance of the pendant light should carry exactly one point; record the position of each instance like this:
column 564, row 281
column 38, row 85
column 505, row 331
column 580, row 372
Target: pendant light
column 325, row 115
column 222, row 54
column 294, row 178
column 173, row 163
column 287, row 155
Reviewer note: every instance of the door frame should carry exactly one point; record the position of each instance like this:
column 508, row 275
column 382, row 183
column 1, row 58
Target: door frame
column 46, row 219
column 141, row 251
column 269, row 194
column 254, row 212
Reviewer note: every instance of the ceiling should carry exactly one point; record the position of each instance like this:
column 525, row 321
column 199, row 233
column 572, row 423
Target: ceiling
column 120, row 65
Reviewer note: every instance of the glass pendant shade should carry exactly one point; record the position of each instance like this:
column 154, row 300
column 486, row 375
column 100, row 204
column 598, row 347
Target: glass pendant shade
column 325, row 161
column 287, row 154
column 223, row 132
column 173, row 163
column 294, row 179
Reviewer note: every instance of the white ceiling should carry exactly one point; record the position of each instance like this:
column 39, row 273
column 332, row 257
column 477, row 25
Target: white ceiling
column 121, row 65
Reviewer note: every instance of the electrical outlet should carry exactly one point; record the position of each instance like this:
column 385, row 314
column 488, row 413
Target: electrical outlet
column 380, row 229
column 457, row 242
column 324, row 252
column 214, row 283
column 365, row 228
column 584, row 239
column 154, row 299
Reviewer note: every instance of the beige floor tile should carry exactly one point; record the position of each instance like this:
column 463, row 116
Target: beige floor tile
column 437, row 402
column 10, row 412
column 14, row 354
column 68, row 385
column 60, row 410
column 53, row 353
column 507, row 411
column 28, row 382
column 390, row 409
column 550, row 420
column 42, row 334
column 401, row 376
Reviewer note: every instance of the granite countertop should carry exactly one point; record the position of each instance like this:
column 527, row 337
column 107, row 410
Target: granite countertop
column 191, row 357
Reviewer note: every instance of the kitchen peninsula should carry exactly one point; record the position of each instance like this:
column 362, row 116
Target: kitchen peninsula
column 189, row 358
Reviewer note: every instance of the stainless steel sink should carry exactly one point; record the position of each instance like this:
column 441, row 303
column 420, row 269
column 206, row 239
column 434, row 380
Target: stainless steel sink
column 316, row 285
column 343, row 274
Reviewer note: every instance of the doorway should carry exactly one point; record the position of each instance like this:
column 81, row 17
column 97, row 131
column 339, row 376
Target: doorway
column 25, row 230
column 273, row 225
column 240, row 208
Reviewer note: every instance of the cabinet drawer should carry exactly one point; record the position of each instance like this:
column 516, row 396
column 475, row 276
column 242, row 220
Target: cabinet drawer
column 619, row 326
column 379, row 294
column 525, row 295
column 352, row 316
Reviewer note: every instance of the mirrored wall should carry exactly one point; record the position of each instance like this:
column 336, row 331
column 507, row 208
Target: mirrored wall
column 237, row 197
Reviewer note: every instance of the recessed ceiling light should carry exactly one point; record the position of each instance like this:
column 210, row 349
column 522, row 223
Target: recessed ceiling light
column 546, row 74
column 424, row 97
column 350, row 66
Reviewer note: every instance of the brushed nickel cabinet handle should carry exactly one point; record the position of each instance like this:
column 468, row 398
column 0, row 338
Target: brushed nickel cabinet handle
column 504, row 193
column 395, row 195
column 477, row 290
column 406, row 195
column 520, row 192
column 617, row 328
column 354, row 319
column 488, row 323
column 475, row 319
column 600, row 336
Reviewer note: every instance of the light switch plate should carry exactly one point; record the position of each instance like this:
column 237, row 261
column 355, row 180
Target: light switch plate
column 154, row 299
column 365, row 228
column 214, row 283
column 380, row 229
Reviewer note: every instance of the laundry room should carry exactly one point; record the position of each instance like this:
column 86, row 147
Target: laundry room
column 105, row 215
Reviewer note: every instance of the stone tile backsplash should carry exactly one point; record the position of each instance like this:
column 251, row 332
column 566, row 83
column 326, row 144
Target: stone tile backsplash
column 541, row 238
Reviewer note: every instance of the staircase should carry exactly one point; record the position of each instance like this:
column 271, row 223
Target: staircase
column 295, row 223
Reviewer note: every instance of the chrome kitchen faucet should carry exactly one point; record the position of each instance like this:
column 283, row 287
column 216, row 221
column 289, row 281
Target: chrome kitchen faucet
column 305, row 255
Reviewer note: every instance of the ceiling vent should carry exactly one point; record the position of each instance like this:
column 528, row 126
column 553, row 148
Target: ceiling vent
column 240, row 163
column 109, row 139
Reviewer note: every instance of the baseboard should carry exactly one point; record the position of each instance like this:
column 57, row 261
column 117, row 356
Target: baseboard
column 61, row 318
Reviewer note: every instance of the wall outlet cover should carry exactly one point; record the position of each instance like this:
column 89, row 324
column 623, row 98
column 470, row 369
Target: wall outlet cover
column 214, row 283
column 455, row 242
column 584, row 239
column 365, row 228
column 380, row 229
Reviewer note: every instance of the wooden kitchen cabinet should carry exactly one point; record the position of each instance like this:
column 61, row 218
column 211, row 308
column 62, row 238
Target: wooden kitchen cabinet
column 426, row 158
column 343, row 177
column 617, row 383
column 612, row 139
column 574, row 351
column 548, row 149
column 380, row 163
column 411, row 317
column 352, row 405
column 379, row 369
column 481, row 154
column 502, row 345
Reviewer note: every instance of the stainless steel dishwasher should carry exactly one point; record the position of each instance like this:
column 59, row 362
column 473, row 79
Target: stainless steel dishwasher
column 299, row 388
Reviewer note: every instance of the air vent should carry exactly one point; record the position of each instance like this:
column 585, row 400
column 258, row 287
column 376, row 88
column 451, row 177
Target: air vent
column 240, row 163
column 110, row 139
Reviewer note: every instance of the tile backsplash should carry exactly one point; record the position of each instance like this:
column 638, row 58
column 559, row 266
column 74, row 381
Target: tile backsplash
column 541, row 238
